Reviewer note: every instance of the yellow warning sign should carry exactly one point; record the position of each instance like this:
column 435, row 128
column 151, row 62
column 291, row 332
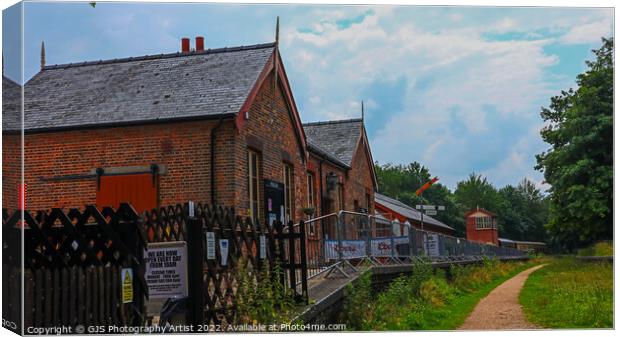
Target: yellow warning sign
column 127, row 284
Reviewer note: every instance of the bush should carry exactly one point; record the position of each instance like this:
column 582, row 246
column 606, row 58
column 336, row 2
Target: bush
column 436, row 291
column 358, row 302
column 262, row 299
column 603, row 248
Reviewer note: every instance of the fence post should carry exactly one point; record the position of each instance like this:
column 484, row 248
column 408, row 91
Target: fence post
column 195, row 252
column 392, row 241
column 369, row 236
column 291, row 256
column 339, row 223
column 303, row 261
column 411, row 242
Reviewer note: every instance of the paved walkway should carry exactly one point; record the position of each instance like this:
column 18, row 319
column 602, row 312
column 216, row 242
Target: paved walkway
column 501, row 310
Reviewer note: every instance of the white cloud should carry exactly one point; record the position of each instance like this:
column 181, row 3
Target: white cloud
column 471, row 83
column 587, row 33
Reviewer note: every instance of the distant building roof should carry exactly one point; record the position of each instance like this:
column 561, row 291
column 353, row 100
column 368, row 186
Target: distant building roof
column 211, row 83
column 407, row 211
column 532, row 243
column 479, row 209
column 522, row 242
column 505, row 240
column 338, row 138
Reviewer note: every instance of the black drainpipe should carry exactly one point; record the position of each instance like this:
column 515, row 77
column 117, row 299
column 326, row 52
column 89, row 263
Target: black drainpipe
column 321, row 186
column 322, row 235
column 213, row 132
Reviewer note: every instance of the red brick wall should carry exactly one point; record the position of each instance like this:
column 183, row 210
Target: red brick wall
column 183, row 147
column 325, row 201
column 480, row 235
column 359, row 181
column 270, row 131
column 11, row 170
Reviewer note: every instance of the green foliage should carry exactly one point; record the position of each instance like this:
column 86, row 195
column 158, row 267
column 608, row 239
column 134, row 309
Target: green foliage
column 522, row 210
column 358, row 302
column 476, row 191
column 570, row 294
column 424, row 299
column 603, row 248
column 265, row 301
column 579, row 164
column 436, row 291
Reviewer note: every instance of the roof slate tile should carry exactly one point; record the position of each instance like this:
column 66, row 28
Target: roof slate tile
column 142, row 89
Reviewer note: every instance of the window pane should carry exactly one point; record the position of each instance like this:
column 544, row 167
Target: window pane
column 253, row 184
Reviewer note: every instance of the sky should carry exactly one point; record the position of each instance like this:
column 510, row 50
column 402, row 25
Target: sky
column 458, row 89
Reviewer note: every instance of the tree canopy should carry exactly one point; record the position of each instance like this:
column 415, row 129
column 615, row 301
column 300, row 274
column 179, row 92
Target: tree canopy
column 579, row 164
column 521, row 209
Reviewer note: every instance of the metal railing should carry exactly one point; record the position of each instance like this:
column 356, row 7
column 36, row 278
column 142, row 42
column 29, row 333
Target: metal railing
column 341, row 242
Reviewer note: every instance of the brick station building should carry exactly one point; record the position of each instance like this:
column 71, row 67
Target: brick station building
column 341, row 170
column 481, row 226
column 218, row 126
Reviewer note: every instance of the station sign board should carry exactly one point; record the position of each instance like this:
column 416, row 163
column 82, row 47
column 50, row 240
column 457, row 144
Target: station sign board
column 166, row 269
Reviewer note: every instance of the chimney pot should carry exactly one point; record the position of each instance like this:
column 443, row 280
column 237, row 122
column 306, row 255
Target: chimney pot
column 200, row 43
column 185, row 45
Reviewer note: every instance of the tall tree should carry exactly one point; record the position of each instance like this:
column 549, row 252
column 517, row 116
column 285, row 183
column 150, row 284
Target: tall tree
column 476, row 191
column 523, row 213
column 579, row 164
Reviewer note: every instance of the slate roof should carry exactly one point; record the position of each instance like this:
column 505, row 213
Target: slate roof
column 408, row 211
column 212, row 83
column 321, row 151
column 338, row 138
column 11, row 104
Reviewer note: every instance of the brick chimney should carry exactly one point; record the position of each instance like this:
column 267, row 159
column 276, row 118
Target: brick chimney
column 200, row 43
column 185, row 45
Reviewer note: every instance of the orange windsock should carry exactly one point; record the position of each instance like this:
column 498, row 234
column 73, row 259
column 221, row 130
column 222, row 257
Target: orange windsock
column 425, row 186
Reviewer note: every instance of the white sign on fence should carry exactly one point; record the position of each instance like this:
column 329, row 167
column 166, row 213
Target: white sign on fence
column 350, row 249
column 166, row 269
column 224, row 252
column 401, row 240
column 262, row 246
column 210, row 245
column 430, row 212
column 431, row 245
column 190, row 207
column 381, row 247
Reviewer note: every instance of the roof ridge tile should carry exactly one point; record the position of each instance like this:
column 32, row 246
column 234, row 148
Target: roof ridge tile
column 160, row 56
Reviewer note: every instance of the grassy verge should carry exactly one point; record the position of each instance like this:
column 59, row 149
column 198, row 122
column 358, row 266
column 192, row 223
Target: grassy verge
column 603, row 248
column 453, row 315
column 426, row 300
column 570, row 294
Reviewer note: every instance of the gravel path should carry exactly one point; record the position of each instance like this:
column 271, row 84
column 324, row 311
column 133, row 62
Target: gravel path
column 501, row 310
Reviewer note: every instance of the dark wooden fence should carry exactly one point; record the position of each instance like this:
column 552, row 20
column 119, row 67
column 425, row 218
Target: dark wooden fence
column 73, row 260
column 212, row 286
